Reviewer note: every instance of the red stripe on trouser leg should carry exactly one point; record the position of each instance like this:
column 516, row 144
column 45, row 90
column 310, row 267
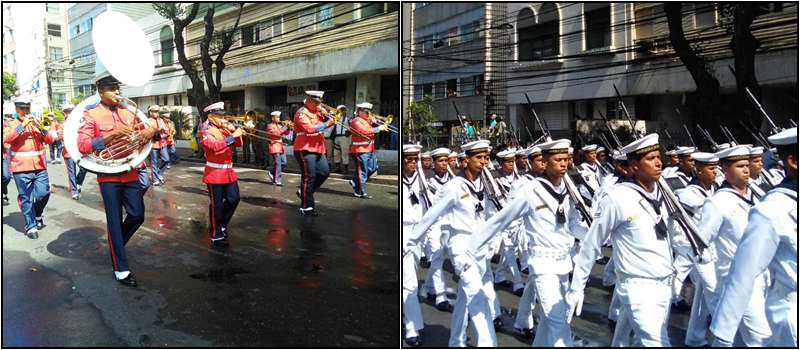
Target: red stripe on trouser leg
column 19, row 203
column 111, row 246
column 213, row 212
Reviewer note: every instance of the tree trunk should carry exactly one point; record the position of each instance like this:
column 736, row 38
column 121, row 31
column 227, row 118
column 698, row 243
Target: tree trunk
column 196, row 92
column 744, row 46
column 706, row 96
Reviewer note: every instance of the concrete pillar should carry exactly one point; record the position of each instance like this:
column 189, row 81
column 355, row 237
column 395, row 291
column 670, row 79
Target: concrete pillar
column 254, row 97
column 350, row 95
column 368, row 89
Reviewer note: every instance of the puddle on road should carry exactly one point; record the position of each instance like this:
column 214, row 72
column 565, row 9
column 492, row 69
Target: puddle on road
column 227, row 276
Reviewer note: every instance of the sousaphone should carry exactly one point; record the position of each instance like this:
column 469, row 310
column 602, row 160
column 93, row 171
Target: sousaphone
column 132, row 64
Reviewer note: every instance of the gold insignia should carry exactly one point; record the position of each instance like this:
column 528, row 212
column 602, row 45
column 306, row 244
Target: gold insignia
column 543, row 206
column 633, row 217
column 465, row 195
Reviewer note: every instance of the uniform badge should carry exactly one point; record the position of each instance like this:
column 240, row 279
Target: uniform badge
column 543, row 206
column 632, row 217
column 465, row 195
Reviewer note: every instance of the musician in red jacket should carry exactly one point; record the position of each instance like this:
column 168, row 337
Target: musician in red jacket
column 218, row 140
column 25, row 137
column 7, row 115
column 362, row 150
column 106, row 123
column 309, row 149
column 275, row 130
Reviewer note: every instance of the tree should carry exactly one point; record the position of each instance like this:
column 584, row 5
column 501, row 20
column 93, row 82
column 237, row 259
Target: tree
column 420, row 114
column 77, row 99
column 200, row 70
column 9, row 85
column 182, row 122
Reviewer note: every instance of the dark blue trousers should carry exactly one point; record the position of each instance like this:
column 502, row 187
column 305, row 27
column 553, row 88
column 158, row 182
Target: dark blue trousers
column 74, row 179
column 366, row 165
column 280, row 163
column 6, row 173
column 224, row 200
column 144, row 179
column 158, row 171
column 34, row 192
column 314, row 171
column 117, row 195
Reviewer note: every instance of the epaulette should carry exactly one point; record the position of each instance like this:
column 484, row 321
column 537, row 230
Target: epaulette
column 91, row 106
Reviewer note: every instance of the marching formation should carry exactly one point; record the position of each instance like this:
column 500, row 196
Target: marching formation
column 718, row 218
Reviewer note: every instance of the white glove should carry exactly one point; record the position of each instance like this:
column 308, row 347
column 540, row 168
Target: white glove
column 574, row 304
column 382, row 127
column 721, row 343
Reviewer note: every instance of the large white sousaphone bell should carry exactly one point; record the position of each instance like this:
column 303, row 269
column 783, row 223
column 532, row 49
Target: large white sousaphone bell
column 124, row 52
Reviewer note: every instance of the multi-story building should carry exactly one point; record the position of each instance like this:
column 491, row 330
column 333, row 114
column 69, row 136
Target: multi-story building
column 567, row 58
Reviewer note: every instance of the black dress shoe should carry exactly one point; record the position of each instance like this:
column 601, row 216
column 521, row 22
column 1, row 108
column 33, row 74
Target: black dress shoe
column 298, row 194
column 311, row 212
column 430, row 296
column 39, row 224
column 443, row 306
column 365, row 196
column 5, row 200
column 505, row 283
column 413, row 342
column 602, row 261
column 525, row 271
column 498, row 323
column 527, row 332
column 681, row 305
column 221, row 242
column 518, row 292
column 128, row 281
column 33, row 234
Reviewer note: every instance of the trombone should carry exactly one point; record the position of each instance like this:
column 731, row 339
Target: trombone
column 387, row 120
column 339, row 115
column 253, row 134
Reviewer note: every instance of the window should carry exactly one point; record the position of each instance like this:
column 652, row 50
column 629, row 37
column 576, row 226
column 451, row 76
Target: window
column 57, row 76
column 166, row 46
column 465, row 87
column 705, row 15
column 59, row 98
column 598, row 25
column 56, row 53
column 427, row 43
column 370, row 8
column 439, row 89
column 265, row 31
column 650, row 20
column 54, row 30
column 248, row 36
column 74, row 31
column 277, row 27
column 467, row 32
column 452, row 88
column 52, row 8
column 325, row 16
column 544, row 36
column 427, row 89
column 177, row 99
column 452, row 36
column 478, row 79
column 305, row 21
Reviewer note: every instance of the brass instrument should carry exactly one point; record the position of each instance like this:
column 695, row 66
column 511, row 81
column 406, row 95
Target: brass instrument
column 385, row 121
column 45, row 125
column 338, row 114
column 288, row 123
column 252, row 134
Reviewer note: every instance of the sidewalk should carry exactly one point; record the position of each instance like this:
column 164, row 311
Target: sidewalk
column 387, row 174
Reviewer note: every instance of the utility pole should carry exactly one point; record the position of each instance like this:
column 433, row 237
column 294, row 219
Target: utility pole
column 47, row 65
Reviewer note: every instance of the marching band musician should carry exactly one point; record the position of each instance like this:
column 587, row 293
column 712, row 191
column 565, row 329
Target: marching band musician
column 703, row 274
column 55, row 148
column 75, row 180
column 158, row 149
column 465, row 201
column 6, row 173
column 341, row 143
column 434, row 282
column 643, row 236
column 508, row 257
column 275, row 130
column 106, row 123
column 309, row 149
column 26, row 163
column 362, row 149
column 724, row 218
column 218, row 141
column 172, row 152
column 412, row 213
column 552, row 223
column 769, row 242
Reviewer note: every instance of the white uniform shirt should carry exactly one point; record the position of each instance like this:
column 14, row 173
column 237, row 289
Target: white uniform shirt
column 724, row 219
column 769, row 241
column 694, row 196
column 630, row 220
column 435, row 183
column 412, row 213
column 777, row 175
column 457, row 203
column 537, row 208
column 608, row 181
column 591, row 173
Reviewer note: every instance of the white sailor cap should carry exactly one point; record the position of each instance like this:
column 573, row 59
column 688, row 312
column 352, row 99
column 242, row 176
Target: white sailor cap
column 734, row 153
column 153, row 108
column 642, row 146
column 453, row 154
column 315, row 95
column 276, row 113
column 506, row 154
column 215, row 108
column 723, row 146
column 589, row 148
column 685, row 151
column 462, row 155
column 601, row 149
column 440, row 152
column 671, row 153
column 68, row 107
column 704, row 157
column 534, row 152
column 571, row 151
column 620, row 157
column 364, row 105
column 22, row 101
column 411, row 148
column 786, row 137
column 521, row 152
column 555, row 147
column 476, row 147
column 756, row 152
column 425, row 155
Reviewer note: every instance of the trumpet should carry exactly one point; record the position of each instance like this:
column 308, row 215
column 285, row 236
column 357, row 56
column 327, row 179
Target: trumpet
column 287, row 123
column 338, row 113
column 385, row 121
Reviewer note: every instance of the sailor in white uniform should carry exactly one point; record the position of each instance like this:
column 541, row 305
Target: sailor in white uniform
column 508, row 257
column 643, row 235
column 434, row 283
column 769, row 242
column 412, row 213
column 465, row 204
column 553, row 223
column 672, row 163
column 590, row 170
column 724, row 218
column 703, row 275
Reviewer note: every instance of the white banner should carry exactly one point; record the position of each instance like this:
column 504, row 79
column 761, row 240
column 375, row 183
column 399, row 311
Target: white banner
column 297, row 93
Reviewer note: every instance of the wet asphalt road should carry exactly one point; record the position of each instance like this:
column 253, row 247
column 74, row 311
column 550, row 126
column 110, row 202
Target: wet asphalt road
column 285, row 280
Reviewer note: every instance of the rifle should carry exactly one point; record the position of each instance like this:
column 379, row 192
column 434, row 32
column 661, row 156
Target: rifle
column 423, row 190
column 690, row 136
column 707, row 136
column 571, row 189
column 676, row 211
column 608, row 125
column 636, row 135
column 728, row 135
column 497, row 197
column 775, row 129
